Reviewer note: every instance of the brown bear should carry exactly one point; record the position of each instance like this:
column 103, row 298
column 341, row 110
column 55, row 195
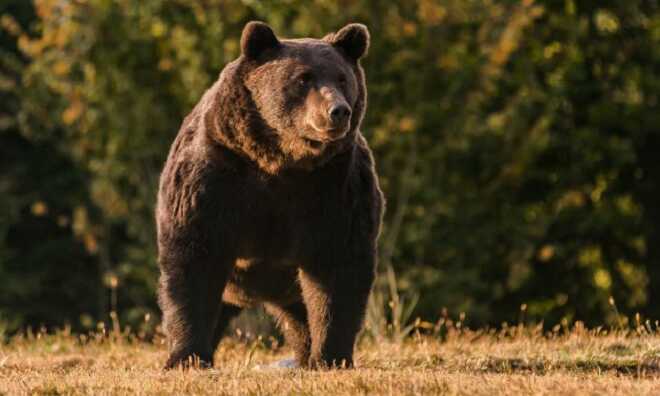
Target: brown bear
column 269, row 196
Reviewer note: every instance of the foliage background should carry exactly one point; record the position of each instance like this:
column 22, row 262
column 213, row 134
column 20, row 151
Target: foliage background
column 516, row 142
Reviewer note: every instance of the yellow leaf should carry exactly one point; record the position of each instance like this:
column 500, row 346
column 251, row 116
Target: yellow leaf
column 409, row 29
column 165, row 64
column 8, row 23
column 430, row 12
column 72, row 113
column 39, row 208
column 407, row 124
column 546, row 253
column 90, row 243
column 61, row 67
column 158, row 29
column 602, row 278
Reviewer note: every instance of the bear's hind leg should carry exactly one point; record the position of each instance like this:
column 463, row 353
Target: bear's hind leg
column 227, row 313
column 292, row 321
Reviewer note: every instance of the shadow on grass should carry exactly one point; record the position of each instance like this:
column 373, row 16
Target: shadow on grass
column 539, row 366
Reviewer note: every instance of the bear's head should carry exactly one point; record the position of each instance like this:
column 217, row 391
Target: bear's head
column 303, row 99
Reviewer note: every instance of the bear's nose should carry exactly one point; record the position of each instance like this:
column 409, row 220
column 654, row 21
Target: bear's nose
column 339, row 113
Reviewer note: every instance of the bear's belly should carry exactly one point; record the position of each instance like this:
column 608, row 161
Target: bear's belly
column 254, row 281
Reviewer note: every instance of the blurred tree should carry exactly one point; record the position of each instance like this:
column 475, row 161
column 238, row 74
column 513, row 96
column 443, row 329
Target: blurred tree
column 516, row 142
column 45, row 271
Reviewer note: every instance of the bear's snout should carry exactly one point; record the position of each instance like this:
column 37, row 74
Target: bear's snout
column 337, row 117
column 331, row 114
column 330, row 120
column 340, row 115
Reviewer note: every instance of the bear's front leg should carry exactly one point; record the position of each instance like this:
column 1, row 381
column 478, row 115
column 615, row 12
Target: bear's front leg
column 191, row 285
column 336, row 297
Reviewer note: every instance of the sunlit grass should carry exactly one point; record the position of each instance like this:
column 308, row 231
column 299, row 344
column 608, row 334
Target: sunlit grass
column 452, row 360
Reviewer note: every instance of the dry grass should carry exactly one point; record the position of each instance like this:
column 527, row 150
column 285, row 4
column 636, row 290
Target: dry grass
column 516, row 361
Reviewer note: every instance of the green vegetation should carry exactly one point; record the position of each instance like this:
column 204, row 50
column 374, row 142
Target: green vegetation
column 516, row 142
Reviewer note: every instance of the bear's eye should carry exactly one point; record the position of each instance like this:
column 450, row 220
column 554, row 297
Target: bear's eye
column 304, row 79
column 342, row 80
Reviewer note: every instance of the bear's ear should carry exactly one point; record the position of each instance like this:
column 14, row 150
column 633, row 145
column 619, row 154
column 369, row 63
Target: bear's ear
column 256, row 38
column 353, row 39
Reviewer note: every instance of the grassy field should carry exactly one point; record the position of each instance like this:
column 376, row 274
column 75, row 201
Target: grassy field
column 515, row 361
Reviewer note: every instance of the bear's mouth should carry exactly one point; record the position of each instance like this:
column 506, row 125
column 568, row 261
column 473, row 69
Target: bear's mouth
column 316, row 143
column 325, row 135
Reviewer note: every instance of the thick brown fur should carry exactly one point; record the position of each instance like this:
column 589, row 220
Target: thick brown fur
column 269, row 196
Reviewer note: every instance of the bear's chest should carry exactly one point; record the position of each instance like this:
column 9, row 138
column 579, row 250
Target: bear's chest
column 287, row 219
